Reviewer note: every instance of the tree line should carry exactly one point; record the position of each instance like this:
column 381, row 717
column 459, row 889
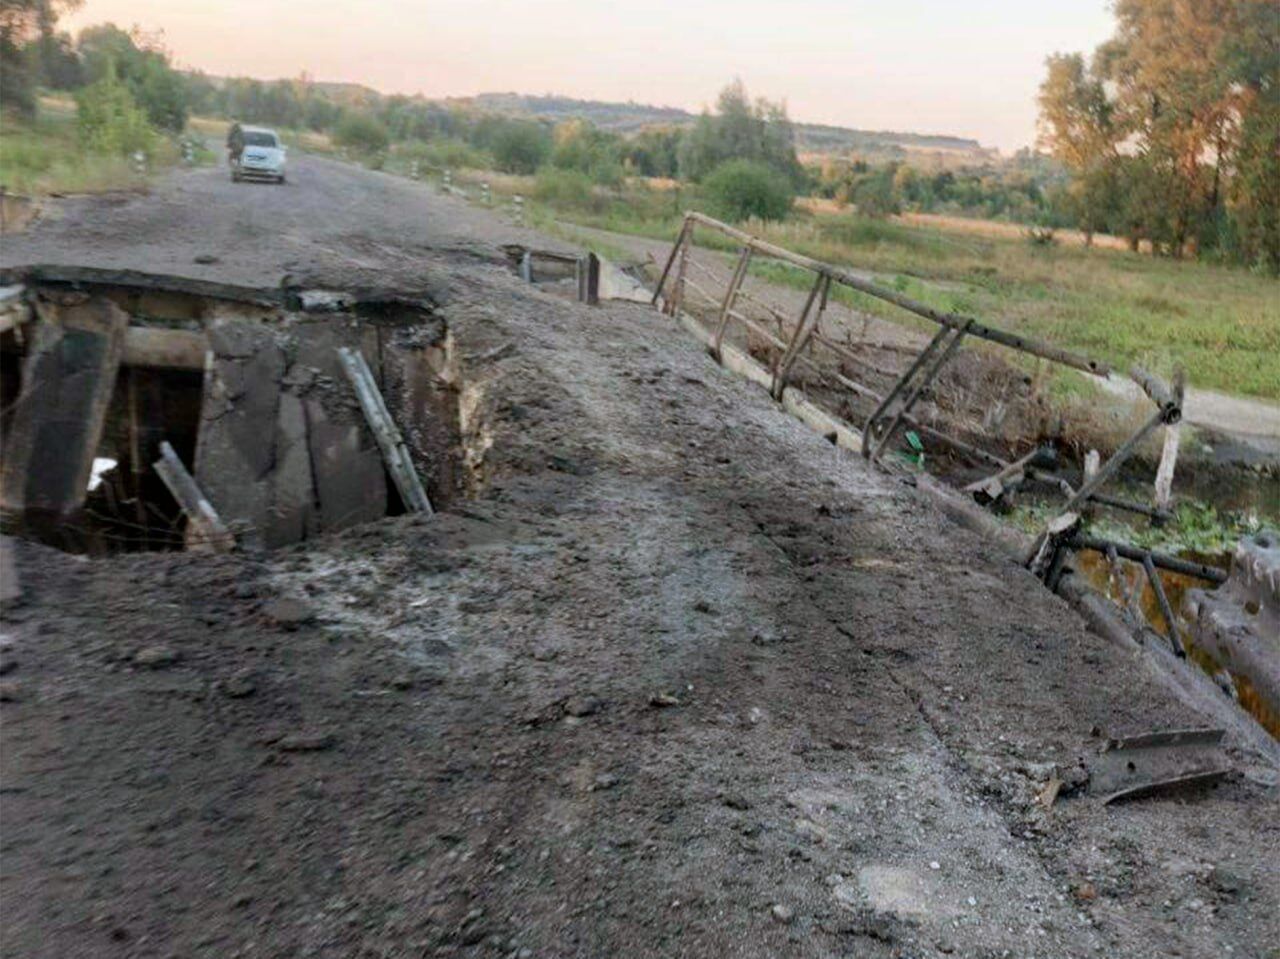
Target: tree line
column 1171, row 129
column 128, row 91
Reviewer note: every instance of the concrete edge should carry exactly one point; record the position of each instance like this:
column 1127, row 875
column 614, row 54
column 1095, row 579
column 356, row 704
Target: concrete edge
column 160, row 282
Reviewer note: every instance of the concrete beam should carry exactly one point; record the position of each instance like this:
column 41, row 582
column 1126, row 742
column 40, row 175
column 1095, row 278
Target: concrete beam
column 164, row 349
column 68, row 377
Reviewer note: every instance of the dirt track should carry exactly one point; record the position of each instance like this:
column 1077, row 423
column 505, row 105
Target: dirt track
column 681, row 664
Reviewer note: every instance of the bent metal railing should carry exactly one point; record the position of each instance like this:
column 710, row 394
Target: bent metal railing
column 793, row 343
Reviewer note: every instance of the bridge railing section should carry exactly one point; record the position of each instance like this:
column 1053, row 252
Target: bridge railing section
column 797, row 344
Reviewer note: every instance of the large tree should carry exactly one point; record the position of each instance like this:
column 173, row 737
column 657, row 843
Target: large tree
column 25, row 24
column 1078, row 125
column 142, row 63
column 1179, row 111
column 740, row 130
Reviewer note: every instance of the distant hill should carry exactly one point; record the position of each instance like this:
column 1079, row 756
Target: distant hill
column 618, row 117
column 811, row 138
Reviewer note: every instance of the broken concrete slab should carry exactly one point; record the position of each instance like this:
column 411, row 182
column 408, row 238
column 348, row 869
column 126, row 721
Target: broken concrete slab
column 346, row 466
column 292, row 492
column 236, row 451
column 283, row 453
column 68, row 377
column 350, row 481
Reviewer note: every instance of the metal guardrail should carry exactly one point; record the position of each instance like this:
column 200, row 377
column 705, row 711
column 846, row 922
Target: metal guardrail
column 893, row 409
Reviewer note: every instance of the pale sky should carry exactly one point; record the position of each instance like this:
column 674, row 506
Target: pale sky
column 965, row 67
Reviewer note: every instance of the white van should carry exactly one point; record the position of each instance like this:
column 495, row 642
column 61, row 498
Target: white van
column 255, row 152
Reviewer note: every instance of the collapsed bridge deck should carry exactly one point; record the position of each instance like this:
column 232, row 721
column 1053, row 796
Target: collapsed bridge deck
column 679, row 664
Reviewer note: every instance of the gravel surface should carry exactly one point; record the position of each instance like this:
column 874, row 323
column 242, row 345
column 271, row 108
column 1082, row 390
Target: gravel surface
column 682, row 680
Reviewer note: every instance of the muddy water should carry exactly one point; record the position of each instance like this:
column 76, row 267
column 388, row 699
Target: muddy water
column 1132, row 587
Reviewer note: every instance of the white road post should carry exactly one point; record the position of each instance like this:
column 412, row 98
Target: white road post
column 518, row 201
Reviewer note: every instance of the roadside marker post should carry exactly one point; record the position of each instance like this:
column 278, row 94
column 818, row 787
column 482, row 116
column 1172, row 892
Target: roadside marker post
column 484, row 194
column 518, row 202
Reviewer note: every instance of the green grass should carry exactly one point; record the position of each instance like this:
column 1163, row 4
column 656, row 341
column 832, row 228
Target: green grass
column 1221, row 324
column 45, row 156
column 1198, row 528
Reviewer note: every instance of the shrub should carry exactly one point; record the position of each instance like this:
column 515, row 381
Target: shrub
column 446, row 153
column 110, row 121
column 162, row 93
column 520, row 147
column 361, row 132
column 740, row 189
column 566, row 189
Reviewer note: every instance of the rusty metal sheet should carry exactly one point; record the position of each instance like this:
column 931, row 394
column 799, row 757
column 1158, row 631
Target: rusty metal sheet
column 1157, row 763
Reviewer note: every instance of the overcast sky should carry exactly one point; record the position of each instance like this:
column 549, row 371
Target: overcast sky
column 932, row 66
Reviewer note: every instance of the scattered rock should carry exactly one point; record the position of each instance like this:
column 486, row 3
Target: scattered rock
column 205, row 259
column 240, row 684
column 605, row 781
column 783, row 914
column 307, row 741
column 288, row 613
column 1226, row 883
column 7, row 665
column 662, row 700
column 582, row 706
column 735, row 801
column 702, row 606
column 402, row 682
column 1086, row 891
column 10, row 691
column 155, row 657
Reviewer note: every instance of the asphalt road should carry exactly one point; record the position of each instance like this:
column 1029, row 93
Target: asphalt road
column 681, row 680
column 330, row 223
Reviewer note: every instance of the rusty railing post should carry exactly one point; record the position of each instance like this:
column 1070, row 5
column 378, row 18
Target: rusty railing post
column 685, row 228
column 730, row 296
column 929, row 374
column 898, row 387
column 804, row 331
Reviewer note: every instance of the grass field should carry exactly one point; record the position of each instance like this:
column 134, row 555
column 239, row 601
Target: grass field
column 1221, row 324
column 44, row 156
